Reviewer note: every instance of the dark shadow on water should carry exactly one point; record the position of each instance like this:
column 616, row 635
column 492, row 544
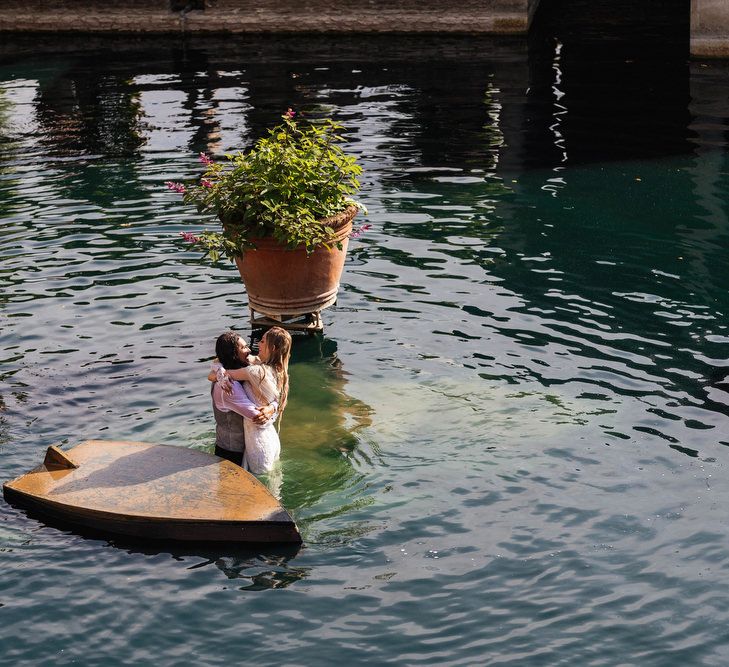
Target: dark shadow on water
column 264, row 566
column 612, row 76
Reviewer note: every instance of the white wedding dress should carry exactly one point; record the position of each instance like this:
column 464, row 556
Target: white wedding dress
column 263, row 447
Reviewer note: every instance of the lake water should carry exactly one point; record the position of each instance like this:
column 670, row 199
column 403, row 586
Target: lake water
column 509, row 445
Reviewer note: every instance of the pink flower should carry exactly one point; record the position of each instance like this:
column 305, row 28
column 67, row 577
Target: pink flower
column 206, row 183
column 189, row 237
column 207, row 161
column 177, row 187
column 290, row 113
column 356, row 233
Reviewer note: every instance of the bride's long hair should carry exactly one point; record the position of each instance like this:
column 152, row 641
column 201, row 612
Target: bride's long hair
column 278, row 343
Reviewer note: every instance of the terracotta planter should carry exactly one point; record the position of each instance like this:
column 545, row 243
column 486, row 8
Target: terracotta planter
column 280, row 281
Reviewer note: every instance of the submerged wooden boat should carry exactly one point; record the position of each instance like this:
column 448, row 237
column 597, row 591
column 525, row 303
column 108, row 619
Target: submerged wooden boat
column 152, row 491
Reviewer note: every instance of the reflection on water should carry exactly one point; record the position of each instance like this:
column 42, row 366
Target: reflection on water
column 260, row 568
column 510, row 441
column 260, row 572
column 322, row 433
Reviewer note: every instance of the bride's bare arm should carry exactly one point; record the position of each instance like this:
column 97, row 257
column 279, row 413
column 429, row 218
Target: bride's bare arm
column 241, row 374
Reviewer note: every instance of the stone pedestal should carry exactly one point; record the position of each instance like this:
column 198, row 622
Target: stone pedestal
column 710, row 28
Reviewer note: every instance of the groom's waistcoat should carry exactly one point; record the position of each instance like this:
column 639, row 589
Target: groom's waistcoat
column 229, row 432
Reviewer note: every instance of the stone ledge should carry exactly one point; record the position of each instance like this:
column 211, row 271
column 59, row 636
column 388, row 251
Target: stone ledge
column 710, row 47
column 161, row 22
column 364, row 21
column 285, row 16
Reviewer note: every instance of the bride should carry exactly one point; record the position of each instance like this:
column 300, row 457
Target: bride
column 266, row 381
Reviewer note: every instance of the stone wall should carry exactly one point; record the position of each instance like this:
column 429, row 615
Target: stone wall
column 710, row 28
column 240, row 16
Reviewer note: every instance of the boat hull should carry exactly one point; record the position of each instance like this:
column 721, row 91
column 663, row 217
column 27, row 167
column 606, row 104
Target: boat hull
column 156, row 492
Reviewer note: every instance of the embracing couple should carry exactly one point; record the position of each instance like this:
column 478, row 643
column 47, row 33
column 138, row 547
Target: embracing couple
column 249, row 393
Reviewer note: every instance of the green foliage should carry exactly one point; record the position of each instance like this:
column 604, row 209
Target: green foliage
column 281, row 188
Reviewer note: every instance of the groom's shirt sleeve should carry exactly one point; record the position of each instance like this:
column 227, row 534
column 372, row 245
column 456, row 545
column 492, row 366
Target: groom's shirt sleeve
column 238, row 401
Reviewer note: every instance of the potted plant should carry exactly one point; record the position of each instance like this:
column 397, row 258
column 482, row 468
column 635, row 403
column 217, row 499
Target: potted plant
column 286, row 210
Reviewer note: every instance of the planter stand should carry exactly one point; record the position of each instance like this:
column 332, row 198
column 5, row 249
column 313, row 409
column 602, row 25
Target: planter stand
column 309, row 322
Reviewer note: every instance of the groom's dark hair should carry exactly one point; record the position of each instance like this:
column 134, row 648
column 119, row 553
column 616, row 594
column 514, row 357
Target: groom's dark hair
column 226, row 349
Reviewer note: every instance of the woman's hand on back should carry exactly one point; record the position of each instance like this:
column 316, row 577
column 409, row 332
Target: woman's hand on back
column 224, row 381
column 264, row 414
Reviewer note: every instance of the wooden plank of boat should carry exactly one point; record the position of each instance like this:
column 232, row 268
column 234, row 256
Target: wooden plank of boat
column 152, row 491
